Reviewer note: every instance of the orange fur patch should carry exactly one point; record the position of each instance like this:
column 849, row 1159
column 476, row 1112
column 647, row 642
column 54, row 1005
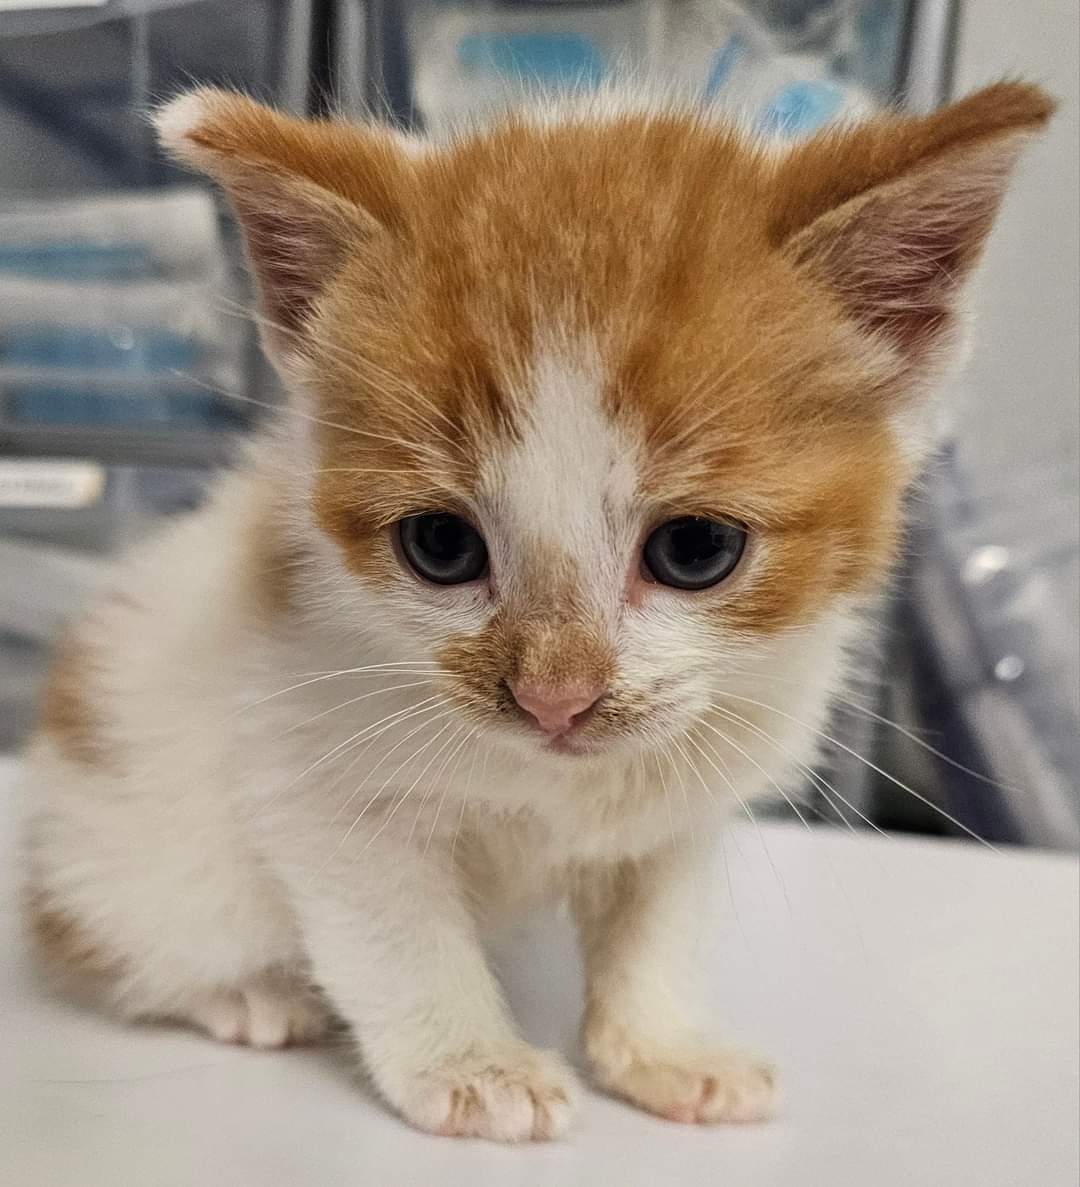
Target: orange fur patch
column 65, row 944
column 66, row 713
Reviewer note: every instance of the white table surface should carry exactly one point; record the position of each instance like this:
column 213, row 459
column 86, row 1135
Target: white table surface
column 919, row 996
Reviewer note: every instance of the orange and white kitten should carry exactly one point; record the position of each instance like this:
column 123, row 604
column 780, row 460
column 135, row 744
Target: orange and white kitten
column 600, row 423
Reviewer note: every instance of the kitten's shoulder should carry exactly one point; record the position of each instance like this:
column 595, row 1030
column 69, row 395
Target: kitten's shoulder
column 195, row 587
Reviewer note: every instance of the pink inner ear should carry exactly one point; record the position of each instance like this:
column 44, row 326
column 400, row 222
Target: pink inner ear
column 290, row 263
column 297, row 238
column 898, row 256
column 900, row 277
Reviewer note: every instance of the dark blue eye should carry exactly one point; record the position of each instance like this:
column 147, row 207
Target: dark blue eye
column 693, row 552
column 443, row 548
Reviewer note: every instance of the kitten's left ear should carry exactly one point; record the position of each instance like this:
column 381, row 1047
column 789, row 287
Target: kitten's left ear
column 307, row 194
column 892, row 215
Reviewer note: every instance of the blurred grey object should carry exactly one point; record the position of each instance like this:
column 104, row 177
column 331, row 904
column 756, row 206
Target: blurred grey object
column 123, row 341
column 75, row 83
column 55, row 552
column 985, row 655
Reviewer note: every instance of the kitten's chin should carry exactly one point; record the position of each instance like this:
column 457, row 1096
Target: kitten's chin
column 576, row 745
column 571, row 746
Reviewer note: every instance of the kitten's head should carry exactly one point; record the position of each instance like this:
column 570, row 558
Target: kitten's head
column 608, row 408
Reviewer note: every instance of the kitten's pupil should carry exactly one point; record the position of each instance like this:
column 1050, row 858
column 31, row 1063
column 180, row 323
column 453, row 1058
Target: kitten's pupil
column 693, row 552
column 441, row 536
column 694, row 540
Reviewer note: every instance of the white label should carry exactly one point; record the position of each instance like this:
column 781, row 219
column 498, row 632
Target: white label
column 33, row 483
column 27, row 5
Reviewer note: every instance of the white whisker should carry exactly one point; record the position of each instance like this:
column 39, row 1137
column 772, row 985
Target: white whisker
column 289, row 410
column 318, row 677
column 365, row 371
column 442, row 771
column 446, row 712
column 395, row 718
column 806, row 824
column 378, row 794
column 872, row 766
column 395, row 805
column 354, row 700
column 359, row 735
column 721, row 833
column 446, row 788
column 823, row 785
column 744, row 804
column 851, row 706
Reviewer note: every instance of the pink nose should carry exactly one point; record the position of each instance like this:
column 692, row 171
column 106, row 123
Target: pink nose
column 556, row 709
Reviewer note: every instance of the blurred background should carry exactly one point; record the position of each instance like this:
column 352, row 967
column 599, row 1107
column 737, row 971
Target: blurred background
column 126, row 363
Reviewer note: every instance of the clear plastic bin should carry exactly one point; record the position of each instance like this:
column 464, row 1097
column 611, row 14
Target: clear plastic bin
column 117, row 268
column 791, row 65
column 76, row 83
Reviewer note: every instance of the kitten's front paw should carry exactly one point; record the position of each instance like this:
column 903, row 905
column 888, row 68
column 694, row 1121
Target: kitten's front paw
column 703, row 1087
column 507, row 1094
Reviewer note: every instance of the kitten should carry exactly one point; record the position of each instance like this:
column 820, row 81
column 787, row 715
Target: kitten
column 600, row 425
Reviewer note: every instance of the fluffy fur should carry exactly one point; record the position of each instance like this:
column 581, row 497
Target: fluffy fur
column 274, row 760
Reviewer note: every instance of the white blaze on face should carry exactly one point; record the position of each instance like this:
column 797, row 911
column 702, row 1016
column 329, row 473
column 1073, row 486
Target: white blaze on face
column 567, row 487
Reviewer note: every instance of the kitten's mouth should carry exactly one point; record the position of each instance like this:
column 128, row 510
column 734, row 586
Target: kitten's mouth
column 585, row 740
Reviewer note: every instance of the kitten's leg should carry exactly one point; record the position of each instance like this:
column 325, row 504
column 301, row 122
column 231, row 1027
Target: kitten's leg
column 642, row 1028
column 393, row 944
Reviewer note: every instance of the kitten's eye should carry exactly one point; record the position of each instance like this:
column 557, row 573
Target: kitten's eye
column 692, row 552
column 443, row 548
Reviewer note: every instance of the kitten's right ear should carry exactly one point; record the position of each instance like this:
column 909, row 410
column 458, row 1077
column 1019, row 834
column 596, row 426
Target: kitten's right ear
column 307, row 194
column 891, row 215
